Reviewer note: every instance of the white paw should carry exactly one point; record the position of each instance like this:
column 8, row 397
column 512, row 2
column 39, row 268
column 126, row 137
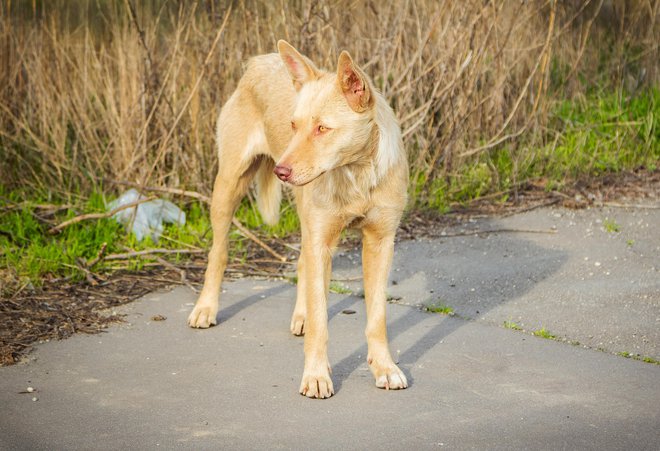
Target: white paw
column 202, row 316
column 317, row 385
column 390, row 377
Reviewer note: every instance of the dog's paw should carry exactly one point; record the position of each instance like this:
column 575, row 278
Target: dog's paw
column 202, row 316
column 389, row 377
column 317, row 385
column 298, row 324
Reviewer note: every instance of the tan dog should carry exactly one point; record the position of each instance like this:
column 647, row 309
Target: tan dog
column 337, row 142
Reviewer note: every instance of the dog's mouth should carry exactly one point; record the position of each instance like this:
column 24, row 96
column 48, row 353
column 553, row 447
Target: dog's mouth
column 311, row 180
column 304, row 182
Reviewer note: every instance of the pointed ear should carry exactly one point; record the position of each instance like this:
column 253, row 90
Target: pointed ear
column 300, row 67
column 354, row 84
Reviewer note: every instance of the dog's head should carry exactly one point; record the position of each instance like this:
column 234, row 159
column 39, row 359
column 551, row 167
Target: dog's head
column 333, row 120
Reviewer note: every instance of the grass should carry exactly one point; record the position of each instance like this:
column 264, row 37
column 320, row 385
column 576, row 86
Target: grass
column 336, row 287
column 641, row 358
column 439, row 307
column 29, row 254
column 611, row 226
column 544, row 333
column 511, row 325
column 248, row 214
column 601, row 133
column 605, row 132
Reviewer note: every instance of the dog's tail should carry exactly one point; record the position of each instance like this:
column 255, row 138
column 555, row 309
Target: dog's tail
column 269, row 192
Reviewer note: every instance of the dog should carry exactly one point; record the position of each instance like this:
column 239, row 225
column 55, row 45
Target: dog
column 333, row 139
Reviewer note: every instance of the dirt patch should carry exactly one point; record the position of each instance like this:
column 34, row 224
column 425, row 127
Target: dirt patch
column 59, row 308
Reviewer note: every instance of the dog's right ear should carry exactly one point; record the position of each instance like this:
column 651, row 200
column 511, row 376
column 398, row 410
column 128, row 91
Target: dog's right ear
column 354, row 84
column 300, row 68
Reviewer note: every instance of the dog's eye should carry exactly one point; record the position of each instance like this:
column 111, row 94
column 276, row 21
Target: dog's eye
column 322, row 129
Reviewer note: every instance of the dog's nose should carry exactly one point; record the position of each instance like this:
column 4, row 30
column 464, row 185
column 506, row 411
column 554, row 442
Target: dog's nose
column 283, row 172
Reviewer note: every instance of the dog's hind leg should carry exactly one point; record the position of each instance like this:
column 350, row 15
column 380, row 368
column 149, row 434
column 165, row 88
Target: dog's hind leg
column 238, row 164
column 300, row 310
column 377, row 250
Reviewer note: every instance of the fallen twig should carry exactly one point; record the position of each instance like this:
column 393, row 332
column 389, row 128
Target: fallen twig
column 181, row 192
column 91, row 278
column 246, row 232
column 132, row 254
column 107, row 214
column 293, row 248
column 181, row 271
column 99, row 256
column 250, row 272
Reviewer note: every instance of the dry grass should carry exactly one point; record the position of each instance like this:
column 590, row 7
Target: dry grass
column 108, row 90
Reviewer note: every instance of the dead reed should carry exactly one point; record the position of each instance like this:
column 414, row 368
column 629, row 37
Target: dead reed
column 127, row 90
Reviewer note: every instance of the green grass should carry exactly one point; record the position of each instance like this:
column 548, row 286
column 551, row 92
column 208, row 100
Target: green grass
column 248, row 214
column 639, row 357
column 29, row 253
column 439, row 307
column 602, row 133
column 336, row 287
column 611, row 226
column 511, row 325
column 544, row 333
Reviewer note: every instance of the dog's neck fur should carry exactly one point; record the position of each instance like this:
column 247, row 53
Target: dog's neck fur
column 390, row 143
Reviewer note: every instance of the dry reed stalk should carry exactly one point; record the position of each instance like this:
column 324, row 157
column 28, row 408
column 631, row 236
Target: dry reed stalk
column 131, row 90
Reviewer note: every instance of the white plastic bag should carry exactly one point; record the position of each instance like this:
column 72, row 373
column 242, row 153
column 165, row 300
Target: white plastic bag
column 149, row 217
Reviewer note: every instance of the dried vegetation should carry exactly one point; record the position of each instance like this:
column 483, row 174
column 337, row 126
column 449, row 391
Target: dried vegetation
column 91, row 91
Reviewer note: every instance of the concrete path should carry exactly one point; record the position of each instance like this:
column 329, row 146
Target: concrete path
column 474, row 384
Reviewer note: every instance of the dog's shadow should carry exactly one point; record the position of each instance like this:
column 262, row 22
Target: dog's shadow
column 343, row 369
column 231, row 310
column 519, row 280
column 507, row 282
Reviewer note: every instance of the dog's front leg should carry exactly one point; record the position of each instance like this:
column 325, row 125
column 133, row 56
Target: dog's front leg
column 319, row 242
column 377, row 251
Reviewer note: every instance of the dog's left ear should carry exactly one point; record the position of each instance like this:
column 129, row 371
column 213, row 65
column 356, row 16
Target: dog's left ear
column 354, row 84
column 300, row 67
